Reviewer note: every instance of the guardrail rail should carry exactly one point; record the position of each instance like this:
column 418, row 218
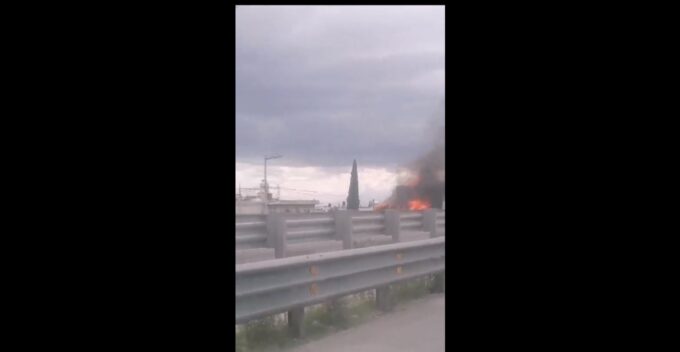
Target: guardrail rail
column 266, row 237
column 286, row 284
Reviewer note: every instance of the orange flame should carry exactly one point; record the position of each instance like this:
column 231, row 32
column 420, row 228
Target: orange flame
column 418, row 204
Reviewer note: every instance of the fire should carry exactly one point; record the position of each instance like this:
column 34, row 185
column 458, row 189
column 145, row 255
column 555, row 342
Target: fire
column 418, row 187
column 418, row 204
column 413, row 205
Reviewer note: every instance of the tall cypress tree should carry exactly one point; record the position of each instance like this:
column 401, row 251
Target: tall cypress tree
column 353, row 196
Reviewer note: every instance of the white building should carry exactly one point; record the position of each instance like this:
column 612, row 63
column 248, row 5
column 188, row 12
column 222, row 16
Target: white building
column 292, row 206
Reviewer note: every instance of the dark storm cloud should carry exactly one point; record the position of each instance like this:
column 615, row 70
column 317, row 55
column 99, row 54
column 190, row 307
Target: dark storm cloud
column 325, row 85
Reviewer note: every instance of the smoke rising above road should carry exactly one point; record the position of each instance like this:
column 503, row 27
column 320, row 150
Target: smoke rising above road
column 422, row 185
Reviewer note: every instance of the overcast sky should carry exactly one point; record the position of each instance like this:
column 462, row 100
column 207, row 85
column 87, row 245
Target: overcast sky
column 324, row 85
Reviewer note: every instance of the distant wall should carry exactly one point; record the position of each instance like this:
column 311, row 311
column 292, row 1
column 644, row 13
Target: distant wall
column 250, row 208
column 291, row 208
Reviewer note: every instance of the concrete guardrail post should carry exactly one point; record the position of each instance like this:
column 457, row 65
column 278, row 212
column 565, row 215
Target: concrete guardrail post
column 430, row 222
column 270, row 222
column 438, row 283
column 392, row 224
column 280, row 229
column 343, row 228
column 296, row 318
column 343, row 232
column 384, row 299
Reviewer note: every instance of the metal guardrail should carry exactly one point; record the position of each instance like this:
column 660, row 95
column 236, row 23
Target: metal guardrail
column 282, row 234
column 317, row 232
column 361, row 218
column 305, row 229
column 410, row 224
column 307, row 222
column 252, row 238
column 274, row 286
column 367, row 224
column 251, row 232
column 368, row 228
column 250, row 225
column 407, row 216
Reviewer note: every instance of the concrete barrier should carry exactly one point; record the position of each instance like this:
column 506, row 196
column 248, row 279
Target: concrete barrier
column 257, row 236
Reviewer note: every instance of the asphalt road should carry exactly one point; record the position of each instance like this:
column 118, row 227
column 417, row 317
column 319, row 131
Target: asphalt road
column 417, row 326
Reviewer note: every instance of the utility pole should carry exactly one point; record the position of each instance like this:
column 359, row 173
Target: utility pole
column 266, row 185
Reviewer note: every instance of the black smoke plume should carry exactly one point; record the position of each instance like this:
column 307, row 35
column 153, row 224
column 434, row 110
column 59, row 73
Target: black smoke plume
column 428, row 174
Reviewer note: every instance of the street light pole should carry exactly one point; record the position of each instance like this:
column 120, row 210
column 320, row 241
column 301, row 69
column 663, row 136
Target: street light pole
column 266, row 185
